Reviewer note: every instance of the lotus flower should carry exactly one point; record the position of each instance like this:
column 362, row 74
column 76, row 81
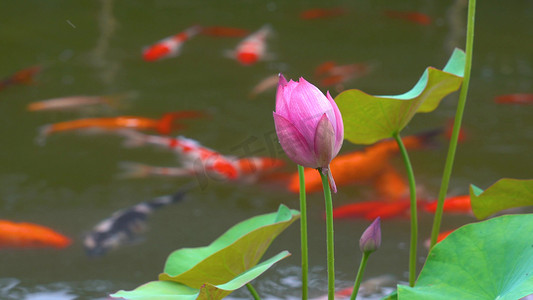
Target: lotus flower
column 371, row 238
column 308, row 124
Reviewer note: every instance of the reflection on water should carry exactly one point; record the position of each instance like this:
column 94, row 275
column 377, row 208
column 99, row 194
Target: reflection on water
column 94, row 48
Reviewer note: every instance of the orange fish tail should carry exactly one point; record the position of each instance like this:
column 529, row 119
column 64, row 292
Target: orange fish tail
column 166, row 123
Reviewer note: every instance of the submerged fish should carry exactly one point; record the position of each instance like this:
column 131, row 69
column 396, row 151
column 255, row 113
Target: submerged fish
column 361, row 166
column 170, row 46
column 198, row 160
column 370, row 210
column 322, row 13
column 514, row 99
column 253, row 48
column 457, row 204
column 25, row 76
column 125, row 225
column 29, row 235
column 222, row 31
column 331, row 74
column 267, row 83
column 74, row 102
column 411, row 16
column 164, row 125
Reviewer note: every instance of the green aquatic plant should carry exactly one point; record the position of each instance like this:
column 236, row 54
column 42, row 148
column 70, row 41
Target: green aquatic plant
column 504, row 194
column 368, row 119
column 228, row 263
column 492, row 259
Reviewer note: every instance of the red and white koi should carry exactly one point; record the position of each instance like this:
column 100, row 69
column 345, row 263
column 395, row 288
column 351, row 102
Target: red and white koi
column 200, row 160
column 170, row 46
column 253, row 48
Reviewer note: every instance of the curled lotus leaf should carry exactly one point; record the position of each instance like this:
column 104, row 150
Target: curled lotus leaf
column 368, row 119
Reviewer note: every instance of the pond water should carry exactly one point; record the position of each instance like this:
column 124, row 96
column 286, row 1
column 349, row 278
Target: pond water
column 94, row 47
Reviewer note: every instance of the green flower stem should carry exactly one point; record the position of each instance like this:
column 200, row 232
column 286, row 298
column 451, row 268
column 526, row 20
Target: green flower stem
column 414, row 218
column 329, row 235
column 253, row 291
column 359, row 276
column 457, row 123
column 303, row 233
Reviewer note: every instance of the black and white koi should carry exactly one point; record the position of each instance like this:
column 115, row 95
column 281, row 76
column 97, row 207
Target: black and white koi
column 125, row 225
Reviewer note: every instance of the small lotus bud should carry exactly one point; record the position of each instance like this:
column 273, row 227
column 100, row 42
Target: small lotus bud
column 371, row 238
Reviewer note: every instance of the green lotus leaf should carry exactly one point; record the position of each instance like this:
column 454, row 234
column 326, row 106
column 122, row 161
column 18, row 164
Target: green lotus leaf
column 159, row 290
column 368, row 119
column 504, row 194
column 492, row 259
column 236, row 251
column 169, row 290
column 215, row 292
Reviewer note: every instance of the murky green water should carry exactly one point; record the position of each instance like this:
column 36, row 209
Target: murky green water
column 93, row 47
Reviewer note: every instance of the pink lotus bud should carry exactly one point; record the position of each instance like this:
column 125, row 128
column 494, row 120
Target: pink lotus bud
column 371, row 238
column 309, row 125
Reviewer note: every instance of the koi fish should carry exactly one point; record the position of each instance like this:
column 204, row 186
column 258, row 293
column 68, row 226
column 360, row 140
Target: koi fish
column 29, row 235
column 165, row 125
column 440, row 237
column 514, row 99
column 125, row 225
column 220, row 31
column 331, row 74
column 252, row 49
column 246, row 170
column 268, row 83
column 25, row 76
column 391, row 185
column 414, row 17
column 199, row 161
column 449, row 130
column 457, row 204
column 73, row 102
column 372, row 209
column 361, row 166
column 322, row 13
column 170, row 46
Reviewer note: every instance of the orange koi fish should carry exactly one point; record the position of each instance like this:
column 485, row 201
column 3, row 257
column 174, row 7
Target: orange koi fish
column 268, row 83
column 165, row 125
column 28, row 235
column 414, row 17
column 331, row 74
column 221, row 31
column 322, row 13
column 440, row 237
column 514, row 99
column 449, row 130
column 73, row 102
column 253, row 48
column 25, row 76
column 372, row 209
column 391, row 185
column 170, row 46
column 457, row 204
column 361, row 166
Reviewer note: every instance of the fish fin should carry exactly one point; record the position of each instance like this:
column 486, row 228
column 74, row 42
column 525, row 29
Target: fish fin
column 133, row 138
column 116, row 101
column 166, row 123
column 133, row 170
column 44, row 131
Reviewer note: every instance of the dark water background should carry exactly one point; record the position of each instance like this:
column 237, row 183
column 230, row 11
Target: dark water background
column 94, row 48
